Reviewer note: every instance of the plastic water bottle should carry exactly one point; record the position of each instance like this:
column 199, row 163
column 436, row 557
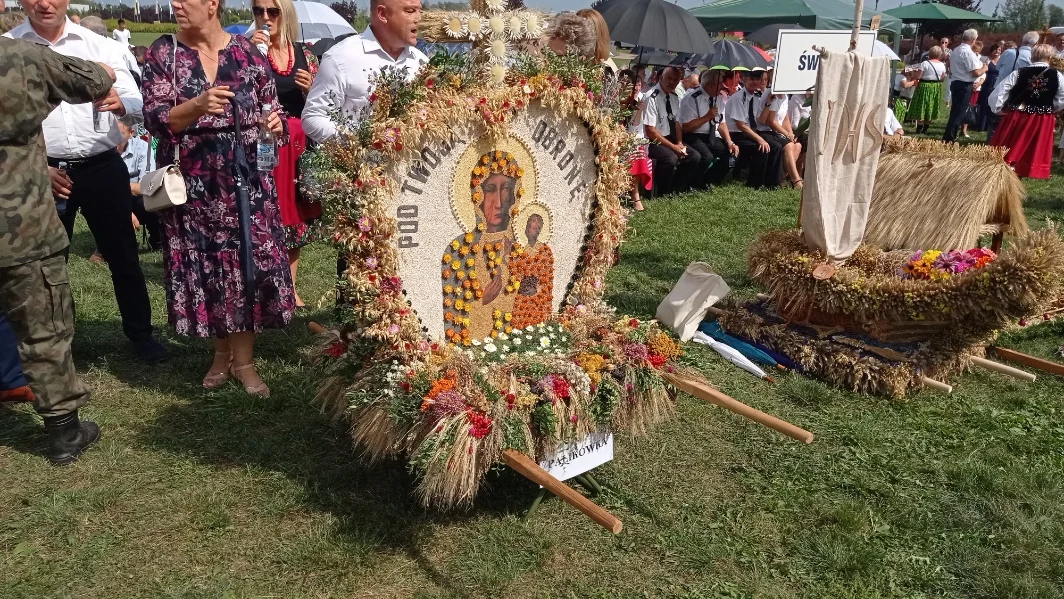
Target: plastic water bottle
column 265, row 47
column 267, row 151
column 61, row 203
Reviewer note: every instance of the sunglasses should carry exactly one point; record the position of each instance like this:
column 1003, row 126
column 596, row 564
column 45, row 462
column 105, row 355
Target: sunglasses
column 259, row 11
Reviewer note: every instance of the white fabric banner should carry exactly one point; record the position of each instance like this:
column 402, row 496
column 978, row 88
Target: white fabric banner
column 845, row 136
column 797, row 63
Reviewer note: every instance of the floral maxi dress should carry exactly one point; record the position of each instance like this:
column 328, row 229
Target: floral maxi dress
column 205, row 287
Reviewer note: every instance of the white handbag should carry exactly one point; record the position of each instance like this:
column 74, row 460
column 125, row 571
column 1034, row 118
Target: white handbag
column 686, row 305
column 165, row 187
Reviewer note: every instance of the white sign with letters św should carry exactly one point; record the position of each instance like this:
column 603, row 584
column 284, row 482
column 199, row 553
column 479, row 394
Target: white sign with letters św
column 574, row 459
column 797, row 61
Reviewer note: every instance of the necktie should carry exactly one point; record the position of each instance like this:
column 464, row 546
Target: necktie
column 750, row 110
column 672, row 136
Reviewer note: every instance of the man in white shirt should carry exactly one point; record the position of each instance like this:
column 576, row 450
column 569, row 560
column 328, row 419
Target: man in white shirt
column 965, row 67
column 688, row 84
column 83, row 138
column 891, row 126
column 703, row 119
column 343, row 79
column 675, row 164
column 765, row 154
column 122, row 34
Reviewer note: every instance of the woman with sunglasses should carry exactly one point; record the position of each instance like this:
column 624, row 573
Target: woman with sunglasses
column 293, row 67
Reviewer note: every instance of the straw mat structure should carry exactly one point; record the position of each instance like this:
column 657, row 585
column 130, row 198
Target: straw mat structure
column 936, row 195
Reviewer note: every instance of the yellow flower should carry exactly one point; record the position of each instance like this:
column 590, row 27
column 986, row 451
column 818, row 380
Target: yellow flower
column 520, row 172
column 509, row 317
column 470, row 262
column 468, row 295
column 509, row 330
column 464, row 250
column 455, row 244
column 456, row 265
column 498, row 324
column 460, row 274
column 448, row 289
column 498, row 154
column 459, row 304
column 446, row 258
column 491, row 255
column 494, row 334
column 473, row 275
column 481, row 227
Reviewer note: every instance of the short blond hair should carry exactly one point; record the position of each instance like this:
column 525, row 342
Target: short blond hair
column 1042, row 53
column 935, row 52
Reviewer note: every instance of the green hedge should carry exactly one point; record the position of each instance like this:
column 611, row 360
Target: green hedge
column 112, row 24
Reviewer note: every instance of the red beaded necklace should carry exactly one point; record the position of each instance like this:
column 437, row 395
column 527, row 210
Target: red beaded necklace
column 291, row 62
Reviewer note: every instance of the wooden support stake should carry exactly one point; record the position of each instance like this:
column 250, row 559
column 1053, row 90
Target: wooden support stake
column 703, row 390
column 937, row 385
column 531, row 470
column 315, row 328
column 1031, row 361
column 1015, row 373
column 715, row 311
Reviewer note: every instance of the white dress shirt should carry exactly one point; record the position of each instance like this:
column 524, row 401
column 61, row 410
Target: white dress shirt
column 797, row 110
column 890, row 122
column 962, row 62
column 695, row 105
column 343, row 81
column 738, row 110
column 138, row 159
column 769, row 101
column 122, row 35
column 656, row 114
column 1001, row 92
column 69, row 131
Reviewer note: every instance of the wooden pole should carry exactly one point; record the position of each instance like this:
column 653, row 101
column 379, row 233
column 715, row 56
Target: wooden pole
column 1015, row 373
column 937, row 385
column 703, row 390
column 858, row 10
column 1033, row 362
column 531, row 470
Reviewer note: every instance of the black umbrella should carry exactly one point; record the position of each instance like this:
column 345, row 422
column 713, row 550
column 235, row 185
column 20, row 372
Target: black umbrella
column 769, row 34
column 655, row 59
column 654, row 23
column 733, row 56
column 242, row 176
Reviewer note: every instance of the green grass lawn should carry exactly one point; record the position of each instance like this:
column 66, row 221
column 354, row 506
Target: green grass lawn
column 144, row 39
column 213, row 494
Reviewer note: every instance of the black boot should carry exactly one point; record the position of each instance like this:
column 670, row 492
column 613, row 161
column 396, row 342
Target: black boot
column 68, row 437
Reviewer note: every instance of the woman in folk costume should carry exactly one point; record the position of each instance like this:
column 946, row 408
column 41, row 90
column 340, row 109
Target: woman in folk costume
column 1026, row 101
column 927, row 99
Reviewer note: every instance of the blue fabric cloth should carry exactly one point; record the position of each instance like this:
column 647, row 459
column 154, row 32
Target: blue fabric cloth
column 11, row 376
column 1013, row 59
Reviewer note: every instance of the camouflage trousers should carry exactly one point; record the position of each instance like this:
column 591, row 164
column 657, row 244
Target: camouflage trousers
column 37, row 299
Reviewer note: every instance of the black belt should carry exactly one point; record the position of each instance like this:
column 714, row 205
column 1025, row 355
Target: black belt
column 73, row 163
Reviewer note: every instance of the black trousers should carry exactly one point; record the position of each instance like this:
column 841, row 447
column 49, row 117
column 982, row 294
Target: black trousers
column 150, row 222
column 960, row 96
column 714, row 166
column 101, row 192
column 673, row 174
column 766, row 168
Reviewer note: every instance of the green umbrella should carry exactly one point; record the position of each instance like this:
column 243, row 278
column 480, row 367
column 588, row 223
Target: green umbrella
column 929, row 10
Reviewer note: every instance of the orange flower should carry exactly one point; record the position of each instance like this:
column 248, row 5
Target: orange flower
column 447, row 273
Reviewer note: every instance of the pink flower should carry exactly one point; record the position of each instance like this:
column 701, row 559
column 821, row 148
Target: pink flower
column 371, row 263
column 393, row 330
column 364, row 224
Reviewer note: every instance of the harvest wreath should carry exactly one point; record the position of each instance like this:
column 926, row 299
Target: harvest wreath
column 543, row 371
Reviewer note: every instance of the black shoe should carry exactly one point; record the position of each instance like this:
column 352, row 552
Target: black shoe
column 150, row 351
column 68, row 437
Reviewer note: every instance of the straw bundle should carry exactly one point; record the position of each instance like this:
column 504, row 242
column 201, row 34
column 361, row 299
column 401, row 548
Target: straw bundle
column 935, row 195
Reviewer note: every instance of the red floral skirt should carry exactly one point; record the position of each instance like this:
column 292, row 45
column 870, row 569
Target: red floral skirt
column 642, row 168
column 297, row 217
column 1029, row 138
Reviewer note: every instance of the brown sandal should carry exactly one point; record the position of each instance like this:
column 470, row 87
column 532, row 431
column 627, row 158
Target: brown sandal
column 215, row 380
column 258, row 390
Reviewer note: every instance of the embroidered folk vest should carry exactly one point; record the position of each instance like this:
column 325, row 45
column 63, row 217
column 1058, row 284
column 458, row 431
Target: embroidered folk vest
column 1034, row 91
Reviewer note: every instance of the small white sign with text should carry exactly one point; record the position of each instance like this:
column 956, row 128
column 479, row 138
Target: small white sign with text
column 574, row 459
column 797, row 61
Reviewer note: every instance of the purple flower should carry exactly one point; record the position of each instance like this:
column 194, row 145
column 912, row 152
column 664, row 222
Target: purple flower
column 393, row 330
column 636, row 352
column 449, row 403
column 371, row 263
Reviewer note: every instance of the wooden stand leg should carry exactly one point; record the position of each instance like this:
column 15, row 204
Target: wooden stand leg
column 1015, row 373
column 703, row 390
column 938, row 385
column 1031, row 361
column 531, row 470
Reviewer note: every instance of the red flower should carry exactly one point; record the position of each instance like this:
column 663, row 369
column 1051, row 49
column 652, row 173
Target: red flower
column 336, row 349
column 392, row 285
column 405, row 386
column 398, row 146
column 373, row 97
column 359, row 183
column 480, row 425
column 560, row 387
column 483, row 100
column 657, row 361
column 378, row 145
column 633, row 323
column 430, row 83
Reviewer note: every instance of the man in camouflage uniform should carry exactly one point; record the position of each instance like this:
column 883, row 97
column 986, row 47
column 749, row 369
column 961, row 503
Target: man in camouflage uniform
column 34, row 286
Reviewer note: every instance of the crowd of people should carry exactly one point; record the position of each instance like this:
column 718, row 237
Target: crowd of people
column 107, row 114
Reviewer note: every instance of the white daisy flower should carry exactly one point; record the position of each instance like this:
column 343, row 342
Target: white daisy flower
column 503, row 336
column 476, row 343
column 515, row 27
column 497, row 25
column 455, row 27
column 498, row 73
column 474, row 25
column 495, row 5
column 544, row 341
column 533, row 26
column 498, row 50
column 517, row 341
column 490, row 348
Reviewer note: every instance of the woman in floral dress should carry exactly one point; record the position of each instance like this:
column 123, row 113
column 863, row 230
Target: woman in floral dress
column 205, row 287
